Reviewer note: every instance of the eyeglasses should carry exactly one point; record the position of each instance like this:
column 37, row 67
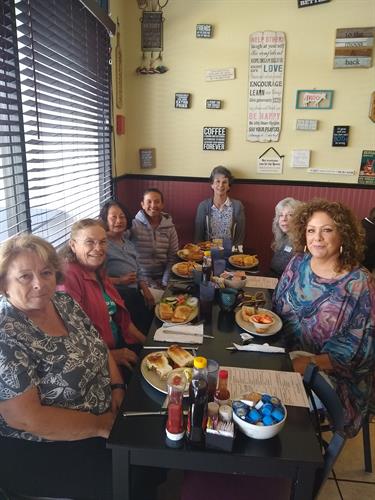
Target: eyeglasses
column 93, row 243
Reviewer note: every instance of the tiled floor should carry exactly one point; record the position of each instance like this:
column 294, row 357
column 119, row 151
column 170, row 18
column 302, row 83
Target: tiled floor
column 353, row 481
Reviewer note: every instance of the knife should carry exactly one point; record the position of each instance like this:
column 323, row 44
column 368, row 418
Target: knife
column 147, row 413
column 187, row 333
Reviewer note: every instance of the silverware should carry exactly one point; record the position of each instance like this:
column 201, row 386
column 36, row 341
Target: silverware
column 147, row 413
column 187, row 333
column 161, row 347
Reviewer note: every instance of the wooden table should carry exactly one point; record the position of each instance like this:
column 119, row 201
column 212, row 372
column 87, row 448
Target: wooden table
column 294, row 453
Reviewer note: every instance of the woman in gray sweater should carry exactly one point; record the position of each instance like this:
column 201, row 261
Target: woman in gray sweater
column 220, row 216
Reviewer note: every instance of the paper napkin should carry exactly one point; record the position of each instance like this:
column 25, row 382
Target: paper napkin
column 181, row 334
column 259, row 348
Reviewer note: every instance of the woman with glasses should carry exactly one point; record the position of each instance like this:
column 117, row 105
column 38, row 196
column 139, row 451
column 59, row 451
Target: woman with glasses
column 281, row 225
column 87, row 282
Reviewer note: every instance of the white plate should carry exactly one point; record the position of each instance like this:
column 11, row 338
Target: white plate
column 249, row 327
column 243, row 267
column 153, row 378
column 187, row 276
column 193, row 314
column 180, row 253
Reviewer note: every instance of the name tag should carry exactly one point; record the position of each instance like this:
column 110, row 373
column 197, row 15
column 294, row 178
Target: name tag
column 288, row 248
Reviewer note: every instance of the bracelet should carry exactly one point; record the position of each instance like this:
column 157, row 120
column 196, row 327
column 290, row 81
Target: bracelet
column 118, row 386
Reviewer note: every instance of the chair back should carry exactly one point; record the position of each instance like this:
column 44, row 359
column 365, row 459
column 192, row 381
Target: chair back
column 315, row 382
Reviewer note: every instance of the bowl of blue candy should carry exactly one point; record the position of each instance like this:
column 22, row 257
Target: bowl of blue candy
column 259, row 416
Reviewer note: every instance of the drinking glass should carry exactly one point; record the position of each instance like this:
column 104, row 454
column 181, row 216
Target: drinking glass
column 228, row 299
column 206, row 298
column 219, row 267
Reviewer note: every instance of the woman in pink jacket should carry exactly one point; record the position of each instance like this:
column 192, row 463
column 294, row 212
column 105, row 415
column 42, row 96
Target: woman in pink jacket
column 86, row 281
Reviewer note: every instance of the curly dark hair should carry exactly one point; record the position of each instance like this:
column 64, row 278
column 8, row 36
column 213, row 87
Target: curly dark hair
column 348, row 227
column 103, row 215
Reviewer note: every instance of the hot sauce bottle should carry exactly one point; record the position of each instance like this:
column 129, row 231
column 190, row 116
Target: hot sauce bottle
column 222, row 394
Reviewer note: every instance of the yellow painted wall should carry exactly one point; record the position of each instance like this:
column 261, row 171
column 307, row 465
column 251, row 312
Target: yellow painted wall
column 153, row 122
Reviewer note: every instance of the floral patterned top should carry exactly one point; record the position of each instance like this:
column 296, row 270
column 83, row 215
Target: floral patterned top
column 336, row 317
column 69, row 371
column 222, row 220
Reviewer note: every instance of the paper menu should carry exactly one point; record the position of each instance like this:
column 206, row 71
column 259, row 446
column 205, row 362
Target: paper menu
column 287, row 386
column 261, row 282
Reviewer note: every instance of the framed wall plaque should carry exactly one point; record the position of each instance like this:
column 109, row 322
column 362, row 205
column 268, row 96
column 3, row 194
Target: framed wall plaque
column 354, row 47
column 213, row 104
column 214, row 138
column 314, row 99
column 340, row 135
column 309, row 3
column 203, row 31
column 147, row 158
column 182, row 100
column 152, row 31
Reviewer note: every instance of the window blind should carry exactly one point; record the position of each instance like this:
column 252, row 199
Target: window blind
column 14, row 210
column 65, row 86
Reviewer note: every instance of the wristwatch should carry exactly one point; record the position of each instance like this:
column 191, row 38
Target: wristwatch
column 118, row 386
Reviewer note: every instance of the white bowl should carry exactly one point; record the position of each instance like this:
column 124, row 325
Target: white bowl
column 261, row 327
column 259, row 431
column 237, row 282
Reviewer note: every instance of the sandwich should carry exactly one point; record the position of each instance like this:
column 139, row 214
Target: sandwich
column 181, row 314
column 165, row 311
column 159, row 363
column 247, row 312
column 179, row 356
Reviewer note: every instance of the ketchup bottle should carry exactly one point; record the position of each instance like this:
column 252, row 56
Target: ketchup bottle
column 175, row 424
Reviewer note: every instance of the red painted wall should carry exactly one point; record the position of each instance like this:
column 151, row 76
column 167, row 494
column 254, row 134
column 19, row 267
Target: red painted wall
column 182, row 197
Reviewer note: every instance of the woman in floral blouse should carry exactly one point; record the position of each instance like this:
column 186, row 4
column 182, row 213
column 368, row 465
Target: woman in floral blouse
column 327, row 304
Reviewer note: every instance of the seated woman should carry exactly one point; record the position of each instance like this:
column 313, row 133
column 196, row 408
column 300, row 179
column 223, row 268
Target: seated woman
column 282, row 245
column 59, row 386
column 220, row 216
column 86, row 281
column 368, row 224
column 122, row 265
column 327, row 304
column 155, row 239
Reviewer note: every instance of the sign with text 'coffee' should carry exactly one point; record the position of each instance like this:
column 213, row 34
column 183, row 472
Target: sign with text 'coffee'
column 266, row 81
column 353, row 47
column 214, row 138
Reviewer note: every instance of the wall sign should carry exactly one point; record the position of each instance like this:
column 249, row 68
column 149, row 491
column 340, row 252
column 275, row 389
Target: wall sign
column 306, row 124
column 203, row 31
column 266, row 82
column 182, row 100
column 213, row 104
column 353, row 47
column 152, row 31
column 267, row 164
column 367, row 170
column 331, row 171
column 371, row 113
column 340, row 135
column 309, row 3
column 147, row 158
column 314, row 99
column 300, row 158
column 213, row 75
column 214, row 138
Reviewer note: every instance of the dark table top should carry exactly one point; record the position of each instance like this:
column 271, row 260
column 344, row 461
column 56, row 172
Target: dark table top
column 295, row 443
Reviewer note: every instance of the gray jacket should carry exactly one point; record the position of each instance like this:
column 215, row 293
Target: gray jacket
column 156, row 248
column 203, row 222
